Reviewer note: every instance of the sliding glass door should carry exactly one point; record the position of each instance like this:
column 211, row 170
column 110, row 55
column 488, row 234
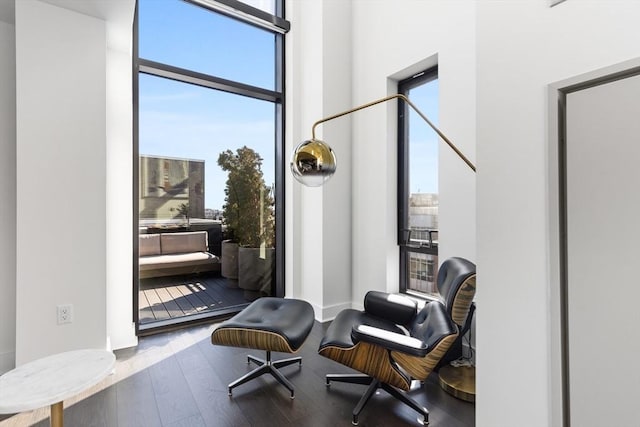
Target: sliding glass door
column 209, row 129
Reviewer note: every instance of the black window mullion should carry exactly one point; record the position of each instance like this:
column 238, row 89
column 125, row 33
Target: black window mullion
column 242, row 11
column 206, row 80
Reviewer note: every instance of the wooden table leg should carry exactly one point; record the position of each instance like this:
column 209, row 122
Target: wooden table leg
column 57, row 415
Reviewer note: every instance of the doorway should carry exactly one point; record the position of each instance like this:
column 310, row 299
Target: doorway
column 208, row 165
column 594, row 134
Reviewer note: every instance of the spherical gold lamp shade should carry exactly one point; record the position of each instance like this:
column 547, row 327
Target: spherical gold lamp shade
column 313, row 163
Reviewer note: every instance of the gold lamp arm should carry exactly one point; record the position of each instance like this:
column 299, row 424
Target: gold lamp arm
column 411, row 104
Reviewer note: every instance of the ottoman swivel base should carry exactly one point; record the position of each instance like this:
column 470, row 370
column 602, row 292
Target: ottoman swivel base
column 270, row 324
column 267, row 367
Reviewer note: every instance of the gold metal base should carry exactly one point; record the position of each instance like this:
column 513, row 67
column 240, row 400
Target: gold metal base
column 57, row 415
column 459, row 381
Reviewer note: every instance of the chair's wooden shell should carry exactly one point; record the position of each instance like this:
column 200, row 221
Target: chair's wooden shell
column 369, row 359
column 251, row 338
column 462, row 300
column 420, row 367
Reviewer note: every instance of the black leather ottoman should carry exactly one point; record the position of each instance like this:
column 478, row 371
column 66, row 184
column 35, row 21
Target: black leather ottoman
column 270, row 324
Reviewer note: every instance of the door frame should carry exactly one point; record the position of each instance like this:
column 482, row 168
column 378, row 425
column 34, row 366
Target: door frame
column 557, row 228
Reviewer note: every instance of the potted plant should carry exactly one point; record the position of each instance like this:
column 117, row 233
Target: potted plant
column 249, row 219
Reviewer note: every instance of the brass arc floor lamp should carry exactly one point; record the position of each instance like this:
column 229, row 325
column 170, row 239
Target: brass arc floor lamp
column 313, row 161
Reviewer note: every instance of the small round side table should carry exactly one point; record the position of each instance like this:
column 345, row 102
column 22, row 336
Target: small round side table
column 51, row 380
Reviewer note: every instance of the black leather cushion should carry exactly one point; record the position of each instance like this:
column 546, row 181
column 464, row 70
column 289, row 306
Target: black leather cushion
column 395, row 308
column 389, row 340
column 432, row 324
column 339, row 332
column 290, row 318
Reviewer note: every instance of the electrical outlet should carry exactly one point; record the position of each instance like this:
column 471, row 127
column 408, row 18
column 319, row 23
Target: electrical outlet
column 65, row 313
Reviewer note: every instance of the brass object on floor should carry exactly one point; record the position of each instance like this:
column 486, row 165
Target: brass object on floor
column 459, row 381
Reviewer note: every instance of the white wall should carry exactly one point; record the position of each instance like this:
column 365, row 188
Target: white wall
column 337, row 193
column 55, row 109
column 343, row 235
column 61, row 209
column 391, row 41
column 319, row 226
column 119, row 172
column 75, row 143
column 521, row 48
column 8, row 196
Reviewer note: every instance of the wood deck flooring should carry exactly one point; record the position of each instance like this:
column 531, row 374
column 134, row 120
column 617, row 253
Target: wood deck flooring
column 164, row 298
column 179, row 378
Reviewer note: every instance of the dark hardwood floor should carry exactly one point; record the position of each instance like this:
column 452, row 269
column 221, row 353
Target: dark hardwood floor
column 180, row 379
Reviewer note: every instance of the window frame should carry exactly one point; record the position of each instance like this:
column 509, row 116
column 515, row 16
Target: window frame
column 245, row 13
column 403, row 235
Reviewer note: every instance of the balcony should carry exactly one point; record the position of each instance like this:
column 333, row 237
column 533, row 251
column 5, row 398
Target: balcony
column 180, row 274
column 163, row 299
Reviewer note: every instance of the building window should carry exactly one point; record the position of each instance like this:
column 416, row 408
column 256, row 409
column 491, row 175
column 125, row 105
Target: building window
column 418, row 186
column 209, row 124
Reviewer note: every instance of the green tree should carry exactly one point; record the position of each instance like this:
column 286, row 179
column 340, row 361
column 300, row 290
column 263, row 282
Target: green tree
column 245, row 195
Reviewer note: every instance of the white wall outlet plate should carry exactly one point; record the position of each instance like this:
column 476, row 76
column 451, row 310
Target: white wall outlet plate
column 65, row 313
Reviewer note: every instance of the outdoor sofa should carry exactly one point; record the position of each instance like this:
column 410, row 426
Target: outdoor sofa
column 170, row 254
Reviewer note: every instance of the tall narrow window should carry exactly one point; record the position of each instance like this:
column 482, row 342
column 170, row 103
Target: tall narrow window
column 418, row 186
column 209, row 165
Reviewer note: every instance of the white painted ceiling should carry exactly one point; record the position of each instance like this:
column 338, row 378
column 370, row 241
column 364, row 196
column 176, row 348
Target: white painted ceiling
column 116, row 11
column 107, row 10
column 117, row 14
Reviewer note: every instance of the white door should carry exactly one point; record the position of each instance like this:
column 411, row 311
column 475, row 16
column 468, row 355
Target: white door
column 603, row 253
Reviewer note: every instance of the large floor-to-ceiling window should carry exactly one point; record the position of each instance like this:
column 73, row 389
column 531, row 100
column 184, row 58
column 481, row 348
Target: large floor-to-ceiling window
column 418, row 185
column 209, row 92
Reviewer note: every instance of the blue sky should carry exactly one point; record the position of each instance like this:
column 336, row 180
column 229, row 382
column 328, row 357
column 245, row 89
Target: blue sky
column 187, row 121
column 423, row 176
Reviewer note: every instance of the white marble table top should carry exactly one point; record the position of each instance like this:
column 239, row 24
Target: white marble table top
column 53, row 379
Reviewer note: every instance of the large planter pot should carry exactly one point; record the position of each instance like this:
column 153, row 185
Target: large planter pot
column 255, row 273
column 229, row 260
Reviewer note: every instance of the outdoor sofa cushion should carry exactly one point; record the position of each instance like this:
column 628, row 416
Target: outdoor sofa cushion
column 177, row 260
column 149, row 245
column 185, row 242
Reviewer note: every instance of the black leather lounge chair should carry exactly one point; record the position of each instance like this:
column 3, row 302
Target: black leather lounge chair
column 392, row 344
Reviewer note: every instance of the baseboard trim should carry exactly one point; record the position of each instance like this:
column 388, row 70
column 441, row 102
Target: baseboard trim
column 328, row 313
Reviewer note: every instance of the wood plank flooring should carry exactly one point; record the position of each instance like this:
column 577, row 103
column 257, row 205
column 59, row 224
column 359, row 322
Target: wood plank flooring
column 172, row 297
column 180, row 379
